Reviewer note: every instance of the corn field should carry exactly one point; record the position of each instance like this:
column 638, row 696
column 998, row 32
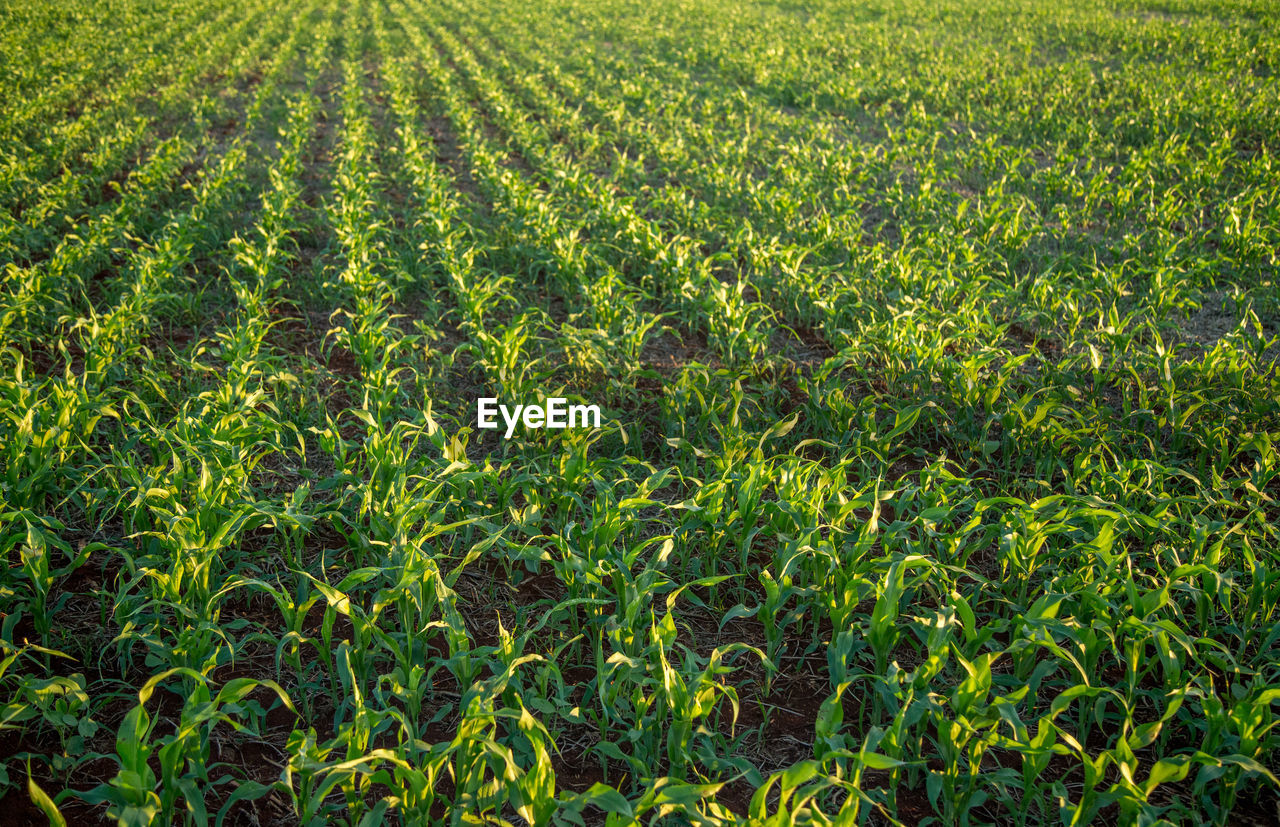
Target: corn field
column 936, row 344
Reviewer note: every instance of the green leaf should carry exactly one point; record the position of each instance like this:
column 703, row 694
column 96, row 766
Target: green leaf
column 43, row 801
